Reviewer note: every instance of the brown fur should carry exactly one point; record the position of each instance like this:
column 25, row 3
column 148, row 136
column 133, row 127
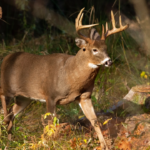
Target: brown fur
column 56, row 78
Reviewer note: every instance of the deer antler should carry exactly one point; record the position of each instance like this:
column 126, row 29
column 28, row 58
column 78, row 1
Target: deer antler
column 114, row 30
column 79, row 26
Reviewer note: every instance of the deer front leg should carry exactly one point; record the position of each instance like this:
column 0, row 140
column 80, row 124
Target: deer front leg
column 88, row 110
column 51, row 108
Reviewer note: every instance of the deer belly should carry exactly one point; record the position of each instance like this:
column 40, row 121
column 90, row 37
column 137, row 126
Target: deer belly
column 68, row 99
column 36, row 99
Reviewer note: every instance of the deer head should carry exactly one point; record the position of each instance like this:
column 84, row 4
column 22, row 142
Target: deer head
column 57, row 78
column 94, row 47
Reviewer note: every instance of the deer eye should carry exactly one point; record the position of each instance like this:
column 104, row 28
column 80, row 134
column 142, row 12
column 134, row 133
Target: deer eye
column 84, row 49
column 95, row 50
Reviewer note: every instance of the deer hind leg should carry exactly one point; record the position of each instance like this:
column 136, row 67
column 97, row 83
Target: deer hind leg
column 88, row 110
column 4, row 105
column 20, row 104
column 5, row 101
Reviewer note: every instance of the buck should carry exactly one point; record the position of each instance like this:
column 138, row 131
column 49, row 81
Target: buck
column 57, row 78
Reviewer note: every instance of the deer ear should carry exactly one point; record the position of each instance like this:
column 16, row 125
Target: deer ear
column 94, row 35
column 80, row 42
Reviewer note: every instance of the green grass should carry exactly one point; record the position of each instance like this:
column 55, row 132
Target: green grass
column 111, row 85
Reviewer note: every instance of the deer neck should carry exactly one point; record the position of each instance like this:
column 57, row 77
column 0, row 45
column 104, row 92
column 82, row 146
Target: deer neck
column 79, row 71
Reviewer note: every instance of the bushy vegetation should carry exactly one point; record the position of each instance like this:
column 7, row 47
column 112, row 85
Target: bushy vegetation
column 111, row 84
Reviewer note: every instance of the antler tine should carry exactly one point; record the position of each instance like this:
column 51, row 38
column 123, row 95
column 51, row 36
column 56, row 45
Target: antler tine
column 103, row 34
column 106, row 27
column 113, row 20
column 78, row 17
column 115, row 30
column 79, row 26
column 80, row 21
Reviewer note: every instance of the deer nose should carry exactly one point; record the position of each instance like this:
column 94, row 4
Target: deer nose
column 108, row 63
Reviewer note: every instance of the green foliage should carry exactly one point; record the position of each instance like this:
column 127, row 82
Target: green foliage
column 111, row 84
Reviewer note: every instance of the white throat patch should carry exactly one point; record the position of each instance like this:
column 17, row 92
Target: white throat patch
column 91, row 65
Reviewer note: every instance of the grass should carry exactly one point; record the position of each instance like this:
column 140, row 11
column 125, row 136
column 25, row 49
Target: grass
column 111, row 85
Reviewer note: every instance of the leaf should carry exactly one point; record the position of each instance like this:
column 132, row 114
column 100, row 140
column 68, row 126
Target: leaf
column 105, row 122
column 142, row 74
column 33, row 146
column 125, row 125
column 97, row 148
column 90, row 139
column 124, row 144
column 47, row 114
column 55, row 121
column 85, row 140
column 50, row 130
column 81, row 116
column 80, row 144
column 145, row 76
column 17, row 128
column 73, row 143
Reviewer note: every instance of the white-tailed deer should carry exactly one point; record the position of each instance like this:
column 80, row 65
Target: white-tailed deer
column 57, row 78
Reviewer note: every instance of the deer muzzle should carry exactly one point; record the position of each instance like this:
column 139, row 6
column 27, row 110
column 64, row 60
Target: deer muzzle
column 108, row 63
